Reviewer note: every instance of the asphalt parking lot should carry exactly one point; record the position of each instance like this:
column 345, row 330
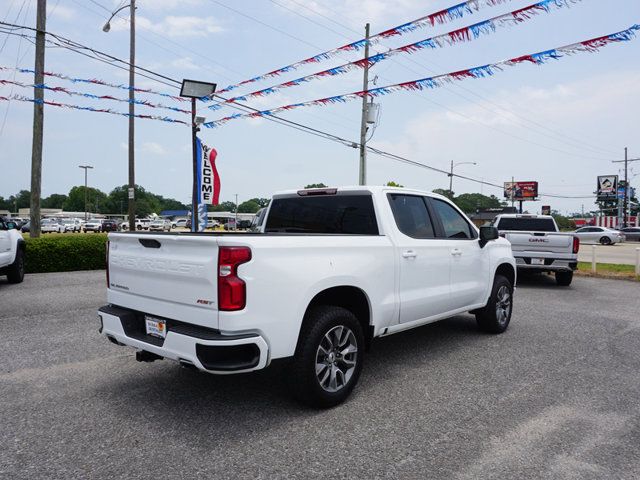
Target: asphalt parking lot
column 555, row 397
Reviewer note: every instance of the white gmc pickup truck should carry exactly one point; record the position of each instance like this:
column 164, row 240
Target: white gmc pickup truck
column 539, row 246
column 331, row 269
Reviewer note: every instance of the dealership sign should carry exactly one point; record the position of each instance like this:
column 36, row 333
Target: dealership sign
column 607, row 187
column 521, row 190
column 208, row 178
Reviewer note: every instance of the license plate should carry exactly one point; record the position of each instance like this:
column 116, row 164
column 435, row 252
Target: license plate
column 537, row 261
column 155, row 326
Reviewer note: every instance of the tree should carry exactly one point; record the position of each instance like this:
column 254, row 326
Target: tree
column 316, row 185
column 446, row 193
column 21, row 200
column 564, row 223
column 249, row 206
column 223, row 207
column 262, row 202
column 96, row 200
column 470, row 202
column 55, row 200
column 5, row 204
column 391, row 183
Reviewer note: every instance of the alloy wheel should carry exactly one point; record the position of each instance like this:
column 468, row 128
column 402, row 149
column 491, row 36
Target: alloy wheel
column 503, row 304
column 336, row 358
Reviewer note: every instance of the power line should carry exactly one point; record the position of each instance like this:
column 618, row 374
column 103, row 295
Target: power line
column 100, row 56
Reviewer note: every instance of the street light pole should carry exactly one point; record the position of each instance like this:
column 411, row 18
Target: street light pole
column 451, row 174
column 85, row 167
column 132, row 62
column 236, row 222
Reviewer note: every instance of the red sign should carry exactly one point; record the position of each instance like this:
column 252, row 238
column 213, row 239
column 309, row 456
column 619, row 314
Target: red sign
column 520, row 190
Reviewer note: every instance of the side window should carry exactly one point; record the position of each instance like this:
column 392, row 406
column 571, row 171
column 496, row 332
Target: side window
column 454, row 224
column 411, row 215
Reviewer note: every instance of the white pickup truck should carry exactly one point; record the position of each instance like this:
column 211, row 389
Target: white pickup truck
column 331, row 269
column 12, row 252
column 538, row 245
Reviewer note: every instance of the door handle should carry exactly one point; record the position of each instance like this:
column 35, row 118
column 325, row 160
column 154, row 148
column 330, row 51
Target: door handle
column 456, row 252
column 409, row 254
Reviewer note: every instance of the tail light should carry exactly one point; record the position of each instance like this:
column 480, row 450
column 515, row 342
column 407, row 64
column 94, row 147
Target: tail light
column 107, row 262
column 576, row 244
column 232, row 291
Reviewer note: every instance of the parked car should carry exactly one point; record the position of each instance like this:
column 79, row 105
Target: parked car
column 160, row 224
column 230, row 224
column 141, row 224
column 100, row 225
column 12, row 251
column 538, row 245
column 603, row 235
column 631, row 234
column 71, row 225
column 26, row 228
column 377, row 260
column 180, row 223
column 51, row 225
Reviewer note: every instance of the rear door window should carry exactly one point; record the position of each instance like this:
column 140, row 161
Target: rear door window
column 523, row 224
column 351, row 214
column 454, row 224
column 411, row 215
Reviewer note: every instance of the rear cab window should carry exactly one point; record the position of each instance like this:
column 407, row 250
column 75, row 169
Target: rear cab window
column 347, row 213
column 524, row 224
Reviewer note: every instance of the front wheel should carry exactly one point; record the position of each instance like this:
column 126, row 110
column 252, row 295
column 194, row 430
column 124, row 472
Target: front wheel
column 605, row 241
column 564, row 279
column 328, row 358
column 16, row 270
column 496, row 315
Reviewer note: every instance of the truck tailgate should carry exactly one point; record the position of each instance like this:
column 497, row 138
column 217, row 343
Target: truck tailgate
column 172, row 276
column 540, row 242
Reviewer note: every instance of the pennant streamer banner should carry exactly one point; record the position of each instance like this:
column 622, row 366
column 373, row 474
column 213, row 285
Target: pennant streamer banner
column 21, row 98
column 92, row 96
column 443, row 16
column 464, row 34
column 96, row 81
column 208, row 178
column 437, row 81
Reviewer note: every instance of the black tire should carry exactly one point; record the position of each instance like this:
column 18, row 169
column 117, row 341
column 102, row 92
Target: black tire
column 605, row 241
column 15, row 272
column 496, row 315
column 319, row 329
column 564, row 279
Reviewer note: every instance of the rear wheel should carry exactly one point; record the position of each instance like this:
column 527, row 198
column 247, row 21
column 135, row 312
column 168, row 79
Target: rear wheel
column 605, row 241
column 564, row 278
column 15, row 273
column 496, row 315
column 328, row 358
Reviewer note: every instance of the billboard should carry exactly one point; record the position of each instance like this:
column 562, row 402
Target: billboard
column 521, row 190
column 607, row 187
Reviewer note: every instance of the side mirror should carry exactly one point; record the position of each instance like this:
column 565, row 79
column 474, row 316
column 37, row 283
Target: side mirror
column 487, row 233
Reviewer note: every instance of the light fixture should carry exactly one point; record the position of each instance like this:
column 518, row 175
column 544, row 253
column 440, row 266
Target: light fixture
column 200, row 120
column 196, row 89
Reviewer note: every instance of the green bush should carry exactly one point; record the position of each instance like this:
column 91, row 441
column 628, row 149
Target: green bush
column 66, row 253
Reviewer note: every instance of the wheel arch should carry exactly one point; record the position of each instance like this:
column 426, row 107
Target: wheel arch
column 350, row 298
column 506, row 270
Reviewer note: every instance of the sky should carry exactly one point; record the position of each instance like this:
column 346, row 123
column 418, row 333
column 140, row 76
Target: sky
column 560, row 124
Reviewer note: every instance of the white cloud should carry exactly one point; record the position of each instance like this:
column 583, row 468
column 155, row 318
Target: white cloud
column 184, row 63
column 173, row 26
column 147, row 147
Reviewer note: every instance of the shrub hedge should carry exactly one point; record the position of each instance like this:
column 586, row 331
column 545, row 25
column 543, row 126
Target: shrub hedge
column 66, row 252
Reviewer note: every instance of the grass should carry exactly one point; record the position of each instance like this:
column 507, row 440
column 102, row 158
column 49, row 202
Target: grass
column 609, row 270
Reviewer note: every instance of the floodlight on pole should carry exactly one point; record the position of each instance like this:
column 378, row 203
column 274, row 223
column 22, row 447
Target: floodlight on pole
column 85, row 167
column 195, row 89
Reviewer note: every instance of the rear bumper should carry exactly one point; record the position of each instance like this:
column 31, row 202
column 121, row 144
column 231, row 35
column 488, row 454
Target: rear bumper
column 550, row 265
column 206, row 349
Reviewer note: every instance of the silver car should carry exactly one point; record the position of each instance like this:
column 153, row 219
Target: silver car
column 160, row 224
column 602, row 235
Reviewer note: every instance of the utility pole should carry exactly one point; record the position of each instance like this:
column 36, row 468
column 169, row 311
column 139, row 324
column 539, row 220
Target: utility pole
column 132, row 73
column 451, row 180
column 38, row 121
column 236, row 222
column 622, row 208
column 362, row 175
column 85, row 167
